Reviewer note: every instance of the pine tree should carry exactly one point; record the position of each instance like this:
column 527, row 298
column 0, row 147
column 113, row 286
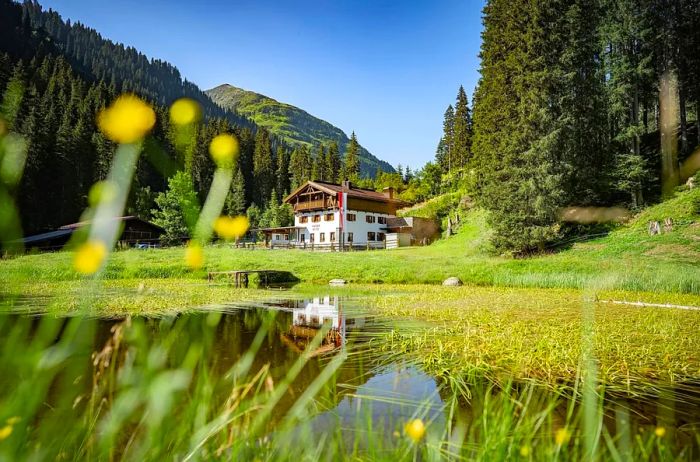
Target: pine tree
column 263, row 167
column 352, row 160
column 332, row 162
column 446, row 145
column 515, row 146
column 462, row 132
column 282, row 173
column 235, row 201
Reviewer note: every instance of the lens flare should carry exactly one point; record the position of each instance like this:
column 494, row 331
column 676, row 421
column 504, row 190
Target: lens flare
column 127, row 120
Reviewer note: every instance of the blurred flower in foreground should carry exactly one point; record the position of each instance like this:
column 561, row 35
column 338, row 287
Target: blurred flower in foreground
column 231, row 227
column 562, row 436
column 224, row 150
column 5, row 432
column 660, row 432
column 127, row 120
column 89, row 257
column 415, row 429
column 102, row 191
column 525, row 451
column 194, row 255
column 185, row 111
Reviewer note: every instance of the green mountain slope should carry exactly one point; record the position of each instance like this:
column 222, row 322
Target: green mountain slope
column 290, row 123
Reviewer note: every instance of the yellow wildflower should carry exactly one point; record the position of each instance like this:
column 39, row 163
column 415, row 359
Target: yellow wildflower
column 5, row 432
column 562, row 436
column 89, row 257
column 224, row 150
column 660, row 432
column 185, row 111
column 525, row 451
column 231, row 227
column 194, row 255
column 415, row 429
column 127, row 120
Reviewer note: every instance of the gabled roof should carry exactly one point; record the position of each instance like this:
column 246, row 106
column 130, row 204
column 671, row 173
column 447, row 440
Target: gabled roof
column 80, row 224
column 333, row 190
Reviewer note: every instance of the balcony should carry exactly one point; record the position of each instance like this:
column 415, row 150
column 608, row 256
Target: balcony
column 317, row 204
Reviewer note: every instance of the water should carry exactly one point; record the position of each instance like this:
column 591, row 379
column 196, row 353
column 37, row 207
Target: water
column 373, row 389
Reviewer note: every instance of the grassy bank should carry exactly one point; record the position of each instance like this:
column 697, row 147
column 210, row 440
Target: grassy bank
column 627, row 259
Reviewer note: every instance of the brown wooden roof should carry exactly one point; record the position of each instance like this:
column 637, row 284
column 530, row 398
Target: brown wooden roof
column 333, row 190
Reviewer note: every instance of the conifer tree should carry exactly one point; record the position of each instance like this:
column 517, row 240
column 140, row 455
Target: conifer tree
column 235, row 201
column 263, row 170
column 352, row 160
column 462, row 132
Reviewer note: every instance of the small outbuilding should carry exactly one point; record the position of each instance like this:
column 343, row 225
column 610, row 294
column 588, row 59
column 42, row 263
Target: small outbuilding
column 405, row 231
column 134, row 231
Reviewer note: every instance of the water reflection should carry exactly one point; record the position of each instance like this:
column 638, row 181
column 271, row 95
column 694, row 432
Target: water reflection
column 310, row 316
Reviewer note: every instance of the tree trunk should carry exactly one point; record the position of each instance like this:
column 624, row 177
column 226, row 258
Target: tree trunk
column 684, row 121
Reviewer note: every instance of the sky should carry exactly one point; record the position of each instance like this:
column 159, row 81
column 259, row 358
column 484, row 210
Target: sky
column 385, row 69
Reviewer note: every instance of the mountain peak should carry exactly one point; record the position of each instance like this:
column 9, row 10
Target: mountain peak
column 292, row 124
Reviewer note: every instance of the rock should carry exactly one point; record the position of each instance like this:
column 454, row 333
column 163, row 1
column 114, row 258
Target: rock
column 690, row 183
column 337, row 282
column 452, row 282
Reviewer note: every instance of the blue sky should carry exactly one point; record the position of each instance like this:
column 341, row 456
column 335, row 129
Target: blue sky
column 385, row 69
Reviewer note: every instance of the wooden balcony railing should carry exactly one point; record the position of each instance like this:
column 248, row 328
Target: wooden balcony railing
column 317, row 204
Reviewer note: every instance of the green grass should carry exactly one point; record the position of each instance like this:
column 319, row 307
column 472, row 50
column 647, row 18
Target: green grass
column 627, row 259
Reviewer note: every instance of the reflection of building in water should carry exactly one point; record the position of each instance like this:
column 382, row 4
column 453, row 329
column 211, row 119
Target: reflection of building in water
column 310, row 316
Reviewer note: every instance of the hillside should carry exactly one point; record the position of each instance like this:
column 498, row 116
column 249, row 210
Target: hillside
column 292, row 124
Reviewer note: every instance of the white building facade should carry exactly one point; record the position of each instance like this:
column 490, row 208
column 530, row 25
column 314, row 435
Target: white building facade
column 337, row 216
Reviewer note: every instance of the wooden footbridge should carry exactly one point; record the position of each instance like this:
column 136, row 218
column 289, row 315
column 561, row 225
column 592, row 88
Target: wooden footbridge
column 239, row 278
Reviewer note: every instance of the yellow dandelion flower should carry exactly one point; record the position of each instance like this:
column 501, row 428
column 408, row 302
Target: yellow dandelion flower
column 127, row 120
column 89, row 257
column 102, row 191
column 185, row 111
column 5, row 432
column 525, row 451
column 660, row 432
column 194, row 255
column 415, row 429
column 231, row 227
column 562, row 436
column 224, row 150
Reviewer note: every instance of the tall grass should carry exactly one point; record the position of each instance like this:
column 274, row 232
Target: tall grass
column 158, row 389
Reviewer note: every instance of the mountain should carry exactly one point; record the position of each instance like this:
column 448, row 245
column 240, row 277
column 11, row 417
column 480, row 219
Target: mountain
column 290, row 123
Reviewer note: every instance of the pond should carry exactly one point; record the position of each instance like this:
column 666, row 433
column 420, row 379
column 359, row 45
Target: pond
column 312, row 370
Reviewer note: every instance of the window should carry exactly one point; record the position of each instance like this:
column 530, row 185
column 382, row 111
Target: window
column 332, row 236
column 311, row 238
column 381, row 220
column 370, row 218
column 352, row 217
column 370, row 236
column 316, row 218
column 303, row 219
column 328, row 217
column 380, row 237
column 350, row 237
column 302, row 238
column 322, row 237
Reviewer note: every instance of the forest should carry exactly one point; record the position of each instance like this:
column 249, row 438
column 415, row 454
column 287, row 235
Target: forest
column 568, row 112
column 56, row 76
